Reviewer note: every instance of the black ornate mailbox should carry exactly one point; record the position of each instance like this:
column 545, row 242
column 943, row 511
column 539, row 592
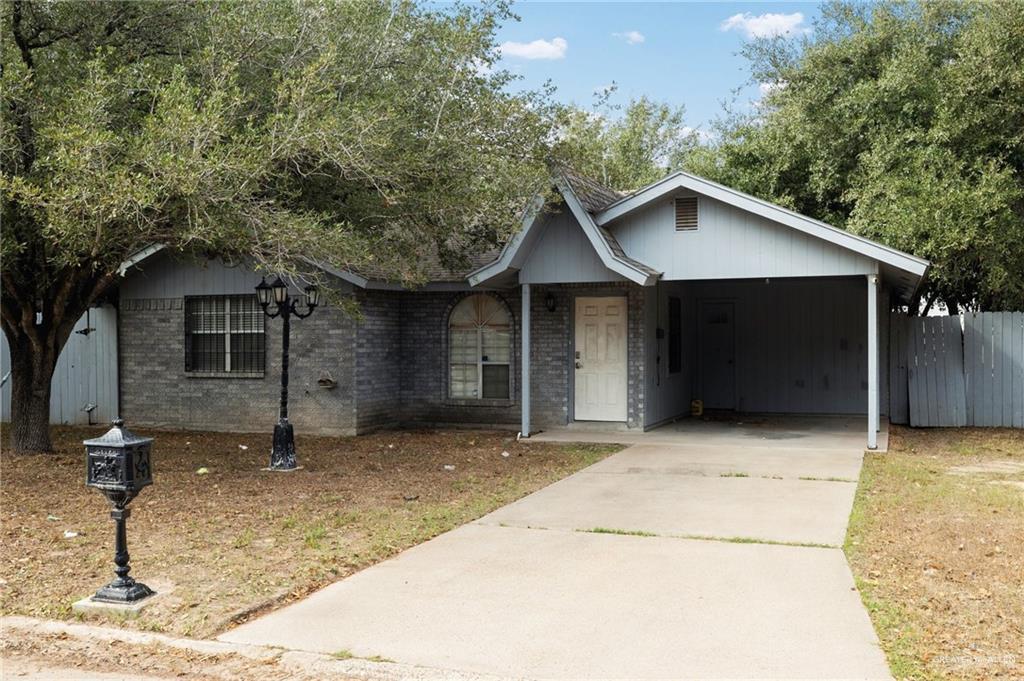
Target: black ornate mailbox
column 118, row 465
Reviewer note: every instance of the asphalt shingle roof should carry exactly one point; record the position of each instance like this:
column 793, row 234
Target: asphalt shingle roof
column 592, row 194
column 594, row 197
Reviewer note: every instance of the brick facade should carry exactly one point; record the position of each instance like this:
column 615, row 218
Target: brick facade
column 156, row 391
column 425, row 363
column 378, row 367
column 390, row 366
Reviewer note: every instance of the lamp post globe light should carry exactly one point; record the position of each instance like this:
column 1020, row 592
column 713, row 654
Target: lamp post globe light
column 282, row 454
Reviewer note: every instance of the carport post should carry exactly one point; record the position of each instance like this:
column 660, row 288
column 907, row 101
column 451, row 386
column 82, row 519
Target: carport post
column 872, row 361
column 525, row 363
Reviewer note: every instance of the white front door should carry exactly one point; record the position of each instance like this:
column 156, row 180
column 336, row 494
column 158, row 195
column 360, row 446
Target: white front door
column 600, row 359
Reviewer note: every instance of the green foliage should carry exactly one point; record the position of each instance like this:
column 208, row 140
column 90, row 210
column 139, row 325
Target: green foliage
column 362, row 133
column 902, row 122
column 370, row 136
column 624, row 148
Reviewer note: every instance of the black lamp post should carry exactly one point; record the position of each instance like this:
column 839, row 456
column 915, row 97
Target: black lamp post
column 282, row 456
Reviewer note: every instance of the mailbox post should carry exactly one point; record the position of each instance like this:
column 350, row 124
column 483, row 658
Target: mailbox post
column 118, row 465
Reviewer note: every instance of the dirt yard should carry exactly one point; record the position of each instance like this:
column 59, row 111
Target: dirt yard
column 936, row 543
column 221, row 539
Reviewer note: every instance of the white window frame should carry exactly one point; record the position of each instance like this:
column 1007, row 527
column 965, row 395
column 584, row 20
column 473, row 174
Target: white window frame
column 479, row 360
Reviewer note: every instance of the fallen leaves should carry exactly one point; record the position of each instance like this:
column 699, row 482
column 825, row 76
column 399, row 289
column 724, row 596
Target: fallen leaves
column 945, row 551
column 218, row 535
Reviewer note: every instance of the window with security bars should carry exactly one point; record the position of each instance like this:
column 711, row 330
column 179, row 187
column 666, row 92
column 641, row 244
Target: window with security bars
column 480, row 349
column 224, row 334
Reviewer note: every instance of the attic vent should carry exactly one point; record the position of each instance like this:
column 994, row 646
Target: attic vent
column 686, row 214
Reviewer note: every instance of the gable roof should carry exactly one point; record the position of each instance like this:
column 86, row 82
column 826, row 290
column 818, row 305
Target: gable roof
column 592, row 195
column 595, row 207
column 433, row 269
column 608, row 249
column 681, row 180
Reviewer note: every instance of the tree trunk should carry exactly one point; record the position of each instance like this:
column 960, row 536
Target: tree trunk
column 36, row 332
column 30, row 398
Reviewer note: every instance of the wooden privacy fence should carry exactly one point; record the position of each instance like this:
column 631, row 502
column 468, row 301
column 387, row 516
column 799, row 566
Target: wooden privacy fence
column 964, row 370
column 994, row 363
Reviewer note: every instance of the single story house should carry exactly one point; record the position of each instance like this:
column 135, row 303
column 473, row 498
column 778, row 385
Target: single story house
column 604, row 307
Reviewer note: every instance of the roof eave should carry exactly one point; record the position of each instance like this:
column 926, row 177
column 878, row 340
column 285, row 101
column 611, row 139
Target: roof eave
column 138, row 257
column 682, row 180
column 609, row 259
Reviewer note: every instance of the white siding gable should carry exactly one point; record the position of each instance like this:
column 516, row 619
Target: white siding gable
column 729, row 243
column 563, row 254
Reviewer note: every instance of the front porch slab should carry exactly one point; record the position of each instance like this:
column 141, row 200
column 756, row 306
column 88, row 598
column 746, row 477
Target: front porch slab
column 773, row 431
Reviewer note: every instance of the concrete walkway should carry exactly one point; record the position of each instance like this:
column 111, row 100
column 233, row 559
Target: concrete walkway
column 533, row 591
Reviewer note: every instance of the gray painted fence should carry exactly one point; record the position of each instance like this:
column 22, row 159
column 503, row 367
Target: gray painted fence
column 86, row 372
column 994, row 359
column 935, row 372
column 956, row 371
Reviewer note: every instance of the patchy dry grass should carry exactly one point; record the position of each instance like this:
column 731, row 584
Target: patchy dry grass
column 938, row 554
column 236, row 540
column 612, row 530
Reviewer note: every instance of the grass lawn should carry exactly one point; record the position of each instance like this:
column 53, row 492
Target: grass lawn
column 936, row 543
column 224, row 544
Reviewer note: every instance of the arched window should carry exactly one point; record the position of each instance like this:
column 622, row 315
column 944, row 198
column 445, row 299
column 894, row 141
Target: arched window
column 479, row 348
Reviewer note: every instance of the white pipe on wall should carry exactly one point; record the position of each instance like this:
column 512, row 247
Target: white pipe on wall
column 872, row 361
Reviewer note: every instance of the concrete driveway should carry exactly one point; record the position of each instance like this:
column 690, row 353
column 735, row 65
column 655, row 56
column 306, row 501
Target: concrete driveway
column 532, row 590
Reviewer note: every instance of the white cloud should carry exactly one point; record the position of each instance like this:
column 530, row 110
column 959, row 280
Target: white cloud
column 768, row 88
column 481, row 67
column 704, row 136
column 537, row 49
column 765, row 25
column 631, row 37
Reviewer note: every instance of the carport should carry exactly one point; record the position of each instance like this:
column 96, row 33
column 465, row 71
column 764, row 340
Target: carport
column 689, row 290
column 768, row 346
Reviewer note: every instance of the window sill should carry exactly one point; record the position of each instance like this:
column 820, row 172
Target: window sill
column 478, row 402
column 224, row 374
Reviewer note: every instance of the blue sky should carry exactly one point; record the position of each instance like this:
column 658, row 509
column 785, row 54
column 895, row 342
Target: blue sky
column 682, row 53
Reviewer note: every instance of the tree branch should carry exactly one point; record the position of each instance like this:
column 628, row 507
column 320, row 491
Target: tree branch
column 24, row 48
column 26, row 134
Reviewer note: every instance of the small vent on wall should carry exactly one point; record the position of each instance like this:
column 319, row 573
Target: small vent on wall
column 686, row 213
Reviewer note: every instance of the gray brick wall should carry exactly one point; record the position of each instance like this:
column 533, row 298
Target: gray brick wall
column 550, row 351
column 156, row 391
column 552, row 346
column 424, row 351
column 379, row 360
column 390, row 366
column 424, row 365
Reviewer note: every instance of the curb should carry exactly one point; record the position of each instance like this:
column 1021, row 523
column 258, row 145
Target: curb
column 317, row 665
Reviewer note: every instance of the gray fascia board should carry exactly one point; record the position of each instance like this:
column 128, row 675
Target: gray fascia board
column 810, row 226
column 137, row 257
column 504, row 261
column 344, row 275
column 597, row 241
